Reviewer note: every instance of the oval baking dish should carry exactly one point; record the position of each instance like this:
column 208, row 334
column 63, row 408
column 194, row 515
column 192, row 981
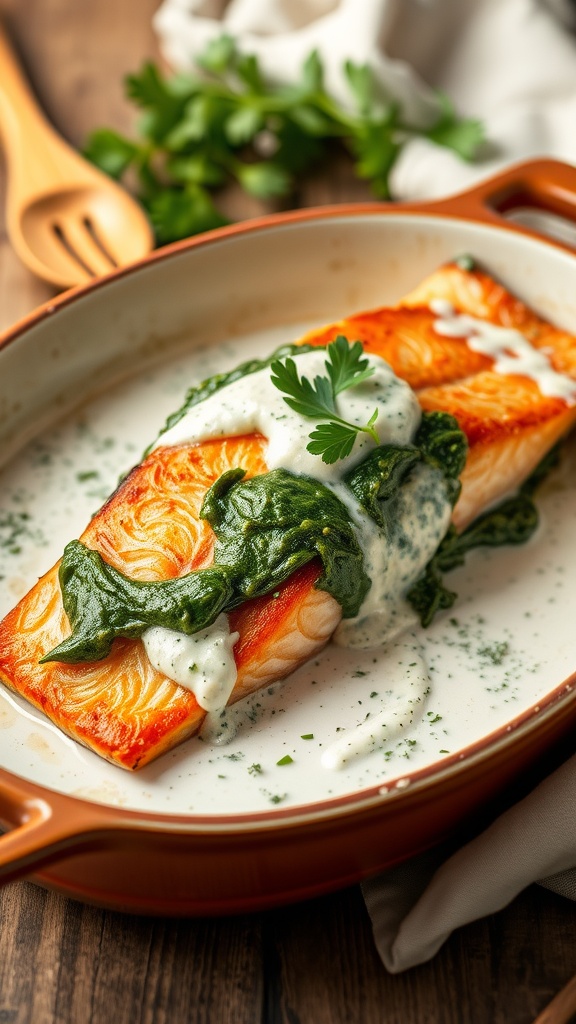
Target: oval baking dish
column 275, row 277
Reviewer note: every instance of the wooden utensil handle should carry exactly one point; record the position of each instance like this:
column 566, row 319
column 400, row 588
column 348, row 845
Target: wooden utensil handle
column 36, row 155
column 18, row 105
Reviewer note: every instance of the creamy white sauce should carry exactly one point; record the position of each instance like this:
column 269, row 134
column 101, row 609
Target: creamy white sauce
column 220, row 727
column 203, row 662
column 394, row 559
column 511, row 351
column 408, row 676
column 40, row 721
column 254, row 405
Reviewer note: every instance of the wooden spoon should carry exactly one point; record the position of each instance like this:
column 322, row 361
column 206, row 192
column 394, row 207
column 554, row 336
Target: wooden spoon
column 67, row 221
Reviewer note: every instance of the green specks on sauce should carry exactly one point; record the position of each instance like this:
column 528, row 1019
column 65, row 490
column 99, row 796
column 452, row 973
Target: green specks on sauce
column 494, row 653
column 217, row 381
column 14, row 528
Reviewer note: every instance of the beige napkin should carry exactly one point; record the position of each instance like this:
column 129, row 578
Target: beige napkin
column 513, row 64
column 415, row 907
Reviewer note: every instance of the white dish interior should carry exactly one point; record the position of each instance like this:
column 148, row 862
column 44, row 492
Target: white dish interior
column 493, row 657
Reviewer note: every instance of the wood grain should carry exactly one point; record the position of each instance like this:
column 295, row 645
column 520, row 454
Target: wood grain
column 315, row 963
column 562, row 1008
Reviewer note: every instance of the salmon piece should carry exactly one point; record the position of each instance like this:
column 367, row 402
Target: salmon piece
column 509, row 424
column 406, row 339
column 150, row 529
column 129, row 713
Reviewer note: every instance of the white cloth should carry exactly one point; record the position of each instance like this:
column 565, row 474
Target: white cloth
column 512, row 64
column 415, row 907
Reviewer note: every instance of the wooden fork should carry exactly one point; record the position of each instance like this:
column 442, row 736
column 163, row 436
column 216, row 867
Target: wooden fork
column 67, row 221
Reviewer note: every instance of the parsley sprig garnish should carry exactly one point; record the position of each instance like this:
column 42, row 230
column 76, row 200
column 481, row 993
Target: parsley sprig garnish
column 224, row 123
column 316, row 399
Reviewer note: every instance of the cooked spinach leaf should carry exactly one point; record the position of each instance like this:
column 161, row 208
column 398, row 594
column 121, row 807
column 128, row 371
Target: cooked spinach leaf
column 444, row 445
column 512, row 522
column 102, row 604
column 266, row 528
column 377, row 480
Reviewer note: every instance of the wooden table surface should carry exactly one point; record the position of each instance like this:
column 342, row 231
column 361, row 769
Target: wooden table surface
column 313, row 963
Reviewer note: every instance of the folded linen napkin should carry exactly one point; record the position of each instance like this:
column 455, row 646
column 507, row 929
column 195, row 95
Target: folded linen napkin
column 415, row 906
column 512, row 64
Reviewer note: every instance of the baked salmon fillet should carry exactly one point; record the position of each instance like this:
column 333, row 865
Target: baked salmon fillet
column 151, row 528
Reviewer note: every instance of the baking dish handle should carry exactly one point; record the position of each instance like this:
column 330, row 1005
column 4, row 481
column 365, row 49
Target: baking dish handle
column 542, row 185
column 41, row 827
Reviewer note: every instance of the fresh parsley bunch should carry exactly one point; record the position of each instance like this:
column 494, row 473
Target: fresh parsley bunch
column 198, row 132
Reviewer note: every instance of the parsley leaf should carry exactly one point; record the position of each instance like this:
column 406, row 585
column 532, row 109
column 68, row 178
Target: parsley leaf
column 263, row 180
column 224, row 123
column 464, row 137
column 346, row 364
column 218, row 55
column 317, row 399
column 111, row 152
column 178, row 213
column 306, row 398
column 333, row 441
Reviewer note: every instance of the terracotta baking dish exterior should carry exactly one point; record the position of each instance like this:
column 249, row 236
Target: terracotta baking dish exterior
column 196, row 865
